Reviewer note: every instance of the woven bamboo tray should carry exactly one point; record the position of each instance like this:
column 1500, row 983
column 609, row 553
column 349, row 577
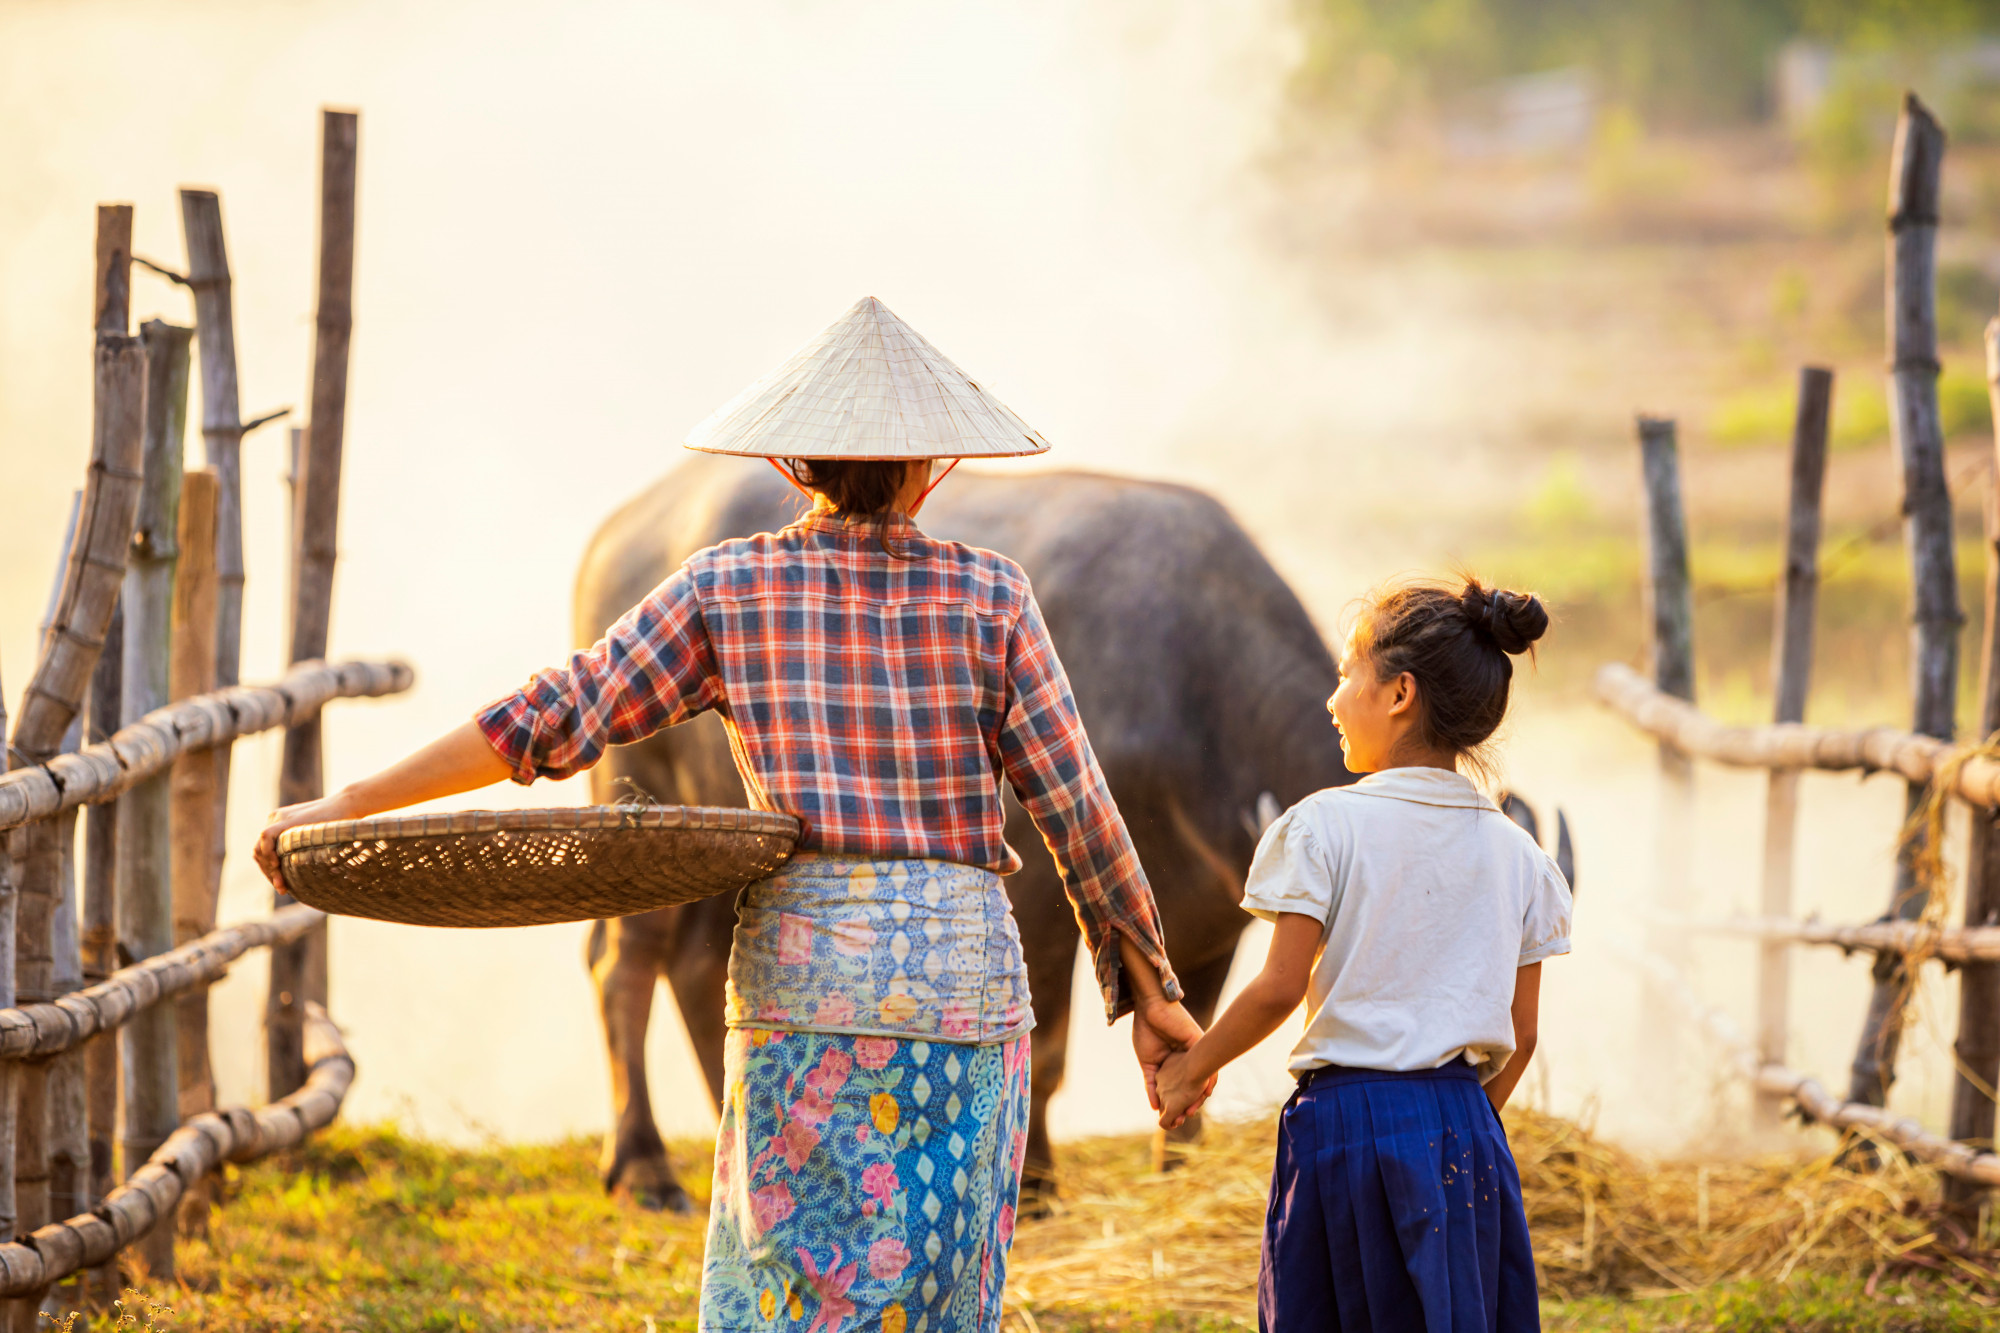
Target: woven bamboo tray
column 530, row 867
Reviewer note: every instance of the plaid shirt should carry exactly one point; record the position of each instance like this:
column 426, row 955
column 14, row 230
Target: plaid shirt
column 880, row 700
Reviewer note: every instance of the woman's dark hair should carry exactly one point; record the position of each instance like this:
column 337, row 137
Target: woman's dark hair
column 857, row 488
column 1459, row 644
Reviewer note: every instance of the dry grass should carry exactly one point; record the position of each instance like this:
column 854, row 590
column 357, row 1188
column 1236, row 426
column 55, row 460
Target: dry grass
column 1605, row 1223
column 367, row 1229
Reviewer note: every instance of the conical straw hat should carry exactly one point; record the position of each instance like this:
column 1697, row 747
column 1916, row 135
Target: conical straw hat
column 868, row 387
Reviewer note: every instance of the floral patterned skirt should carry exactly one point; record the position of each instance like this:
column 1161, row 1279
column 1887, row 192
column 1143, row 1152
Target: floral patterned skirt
column 862, row 1183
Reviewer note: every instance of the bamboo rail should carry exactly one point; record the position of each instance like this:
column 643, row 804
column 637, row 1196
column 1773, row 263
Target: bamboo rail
column 1952, row 944
column 1794, row 745
column 1813, row 1101
column 36, row 1031
column 147, row 1200
column 150, row 745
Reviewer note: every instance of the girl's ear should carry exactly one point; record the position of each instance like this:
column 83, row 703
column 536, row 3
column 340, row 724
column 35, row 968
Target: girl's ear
column 1405, row 695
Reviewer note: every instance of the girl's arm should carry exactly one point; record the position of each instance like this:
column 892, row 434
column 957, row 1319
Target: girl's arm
column 461, row 760
column 1527, row 1014
column 1255, row 1014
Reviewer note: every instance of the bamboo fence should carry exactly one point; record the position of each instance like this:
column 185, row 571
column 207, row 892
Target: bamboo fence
column 1948, row 944
column 1933, row 766
column 1975, row 778
column 130, row 712
column 149, row 746
column 1814, row 1103
column 144, row 1205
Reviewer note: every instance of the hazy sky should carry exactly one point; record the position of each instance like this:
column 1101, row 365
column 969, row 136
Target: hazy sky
column 583, row 226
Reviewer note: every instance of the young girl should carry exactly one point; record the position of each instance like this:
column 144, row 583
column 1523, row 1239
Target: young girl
column 1413, row 918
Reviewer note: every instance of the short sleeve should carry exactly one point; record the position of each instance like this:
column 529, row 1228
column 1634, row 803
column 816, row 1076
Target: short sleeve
column 1292, row 872
column 1545, row 929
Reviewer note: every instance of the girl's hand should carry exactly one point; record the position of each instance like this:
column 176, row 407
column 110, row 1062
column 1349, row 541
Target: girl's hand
column 1159, row 1028
column 1180, row 1095
column 323, row 810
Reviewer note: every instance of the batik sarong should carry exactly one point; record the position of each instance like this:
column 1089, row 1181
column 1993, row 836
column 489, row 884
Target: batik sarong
column 863, row 1183
column 875, row 1105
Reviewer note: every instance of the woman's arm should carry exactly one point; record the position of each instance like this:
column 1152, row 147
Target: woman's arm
column 1271, row 996
column 1527, row 1014
column 461, row 760
column 1047, row 758
column 1159, row 1026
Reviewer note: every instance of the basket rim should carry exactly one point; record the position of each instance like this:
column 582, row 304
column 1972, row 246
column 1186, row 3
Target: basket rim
column 553, row 819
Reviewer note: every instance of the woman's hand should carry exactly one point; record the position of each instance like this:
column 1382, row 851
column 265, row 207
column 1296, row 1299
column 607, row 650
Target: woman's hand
column 458, row 761
column 324, row 810
column 1180, row 1095
column 1160, row 1028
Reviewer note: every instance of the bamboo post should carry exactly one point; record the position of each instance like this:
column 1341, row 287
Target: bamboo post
column 1669, row 599
column 222, row 447
column 100, row 931
column 54, row 695
column 1977, row 1046
column 145, row 896
column 1791, row 676
column 194, row 790
column 298, row 972
column 69, row 1130
column 1914, row 175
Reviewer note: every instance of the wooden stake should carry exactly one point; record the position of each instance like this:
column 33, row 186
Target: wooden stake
column 194, row 783
column 100, row 935
column 145, row 894
column 222, row 445
column 44, row 859
column 298, row 972
column 1978, row 1043
column 1791, row 676
column 1914, row 177
column 68, row 1116
column 48, row 707
column 1669, row 599
column 112, row 305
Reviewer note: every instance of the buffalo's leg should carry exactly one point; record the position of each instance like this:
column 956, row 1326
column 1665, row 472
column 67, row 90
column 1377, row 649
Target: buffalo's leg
column 1203, row 987
column 1050, row 975
column 634, row 1158
column 697, row 967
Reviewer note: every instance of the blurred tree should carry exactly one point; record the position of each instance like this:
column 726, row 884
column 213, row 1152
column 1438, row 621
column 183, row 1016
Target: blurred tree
column 1677, row 62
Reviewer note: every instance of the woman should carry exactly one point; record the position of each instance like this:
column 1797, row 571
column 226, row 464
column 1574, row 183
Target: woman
column 878, row 684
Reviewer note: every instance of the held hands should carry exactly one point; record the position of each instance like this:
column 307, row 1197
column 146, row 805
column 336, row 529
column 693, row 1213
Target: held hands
column 1162, row 1031
column 305, row 812
column 1179, row 1095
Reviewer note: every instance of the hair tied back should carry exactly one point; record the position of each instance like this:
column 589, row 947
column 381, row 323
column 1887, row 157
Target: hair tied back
column 1513, row 620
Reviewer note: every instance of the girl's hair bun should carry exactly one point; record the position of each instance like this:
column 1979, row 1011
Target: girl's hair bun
column 1514, row 620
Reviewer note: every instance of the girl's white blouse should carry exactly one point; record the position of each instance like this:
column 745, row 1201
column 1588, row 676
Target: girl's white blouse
column 1429, row 899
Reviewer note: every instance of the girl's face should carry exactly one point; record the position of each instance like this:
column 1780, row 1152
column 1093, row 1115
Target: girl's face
column 1372, row 716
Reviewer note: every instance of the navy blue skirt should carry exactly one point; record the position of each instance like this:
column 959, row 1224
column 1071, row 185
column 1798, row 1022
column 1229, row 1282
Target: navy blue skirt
column 1395, row 1206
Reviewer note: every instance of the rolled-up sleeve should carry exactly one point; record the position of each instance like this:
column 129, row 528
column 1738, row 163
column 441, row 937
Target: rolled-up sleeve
column 1048, row 760
column 653, row 668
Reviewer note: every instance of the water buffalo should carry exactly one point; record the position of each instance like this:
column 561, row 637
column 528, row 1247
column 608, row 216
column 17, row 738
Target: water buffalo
column 1200, row 678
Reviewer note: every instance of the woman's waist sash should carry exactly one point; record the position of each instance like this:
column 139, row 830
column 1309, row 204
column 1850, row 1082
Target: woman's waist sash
column 921, row 949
